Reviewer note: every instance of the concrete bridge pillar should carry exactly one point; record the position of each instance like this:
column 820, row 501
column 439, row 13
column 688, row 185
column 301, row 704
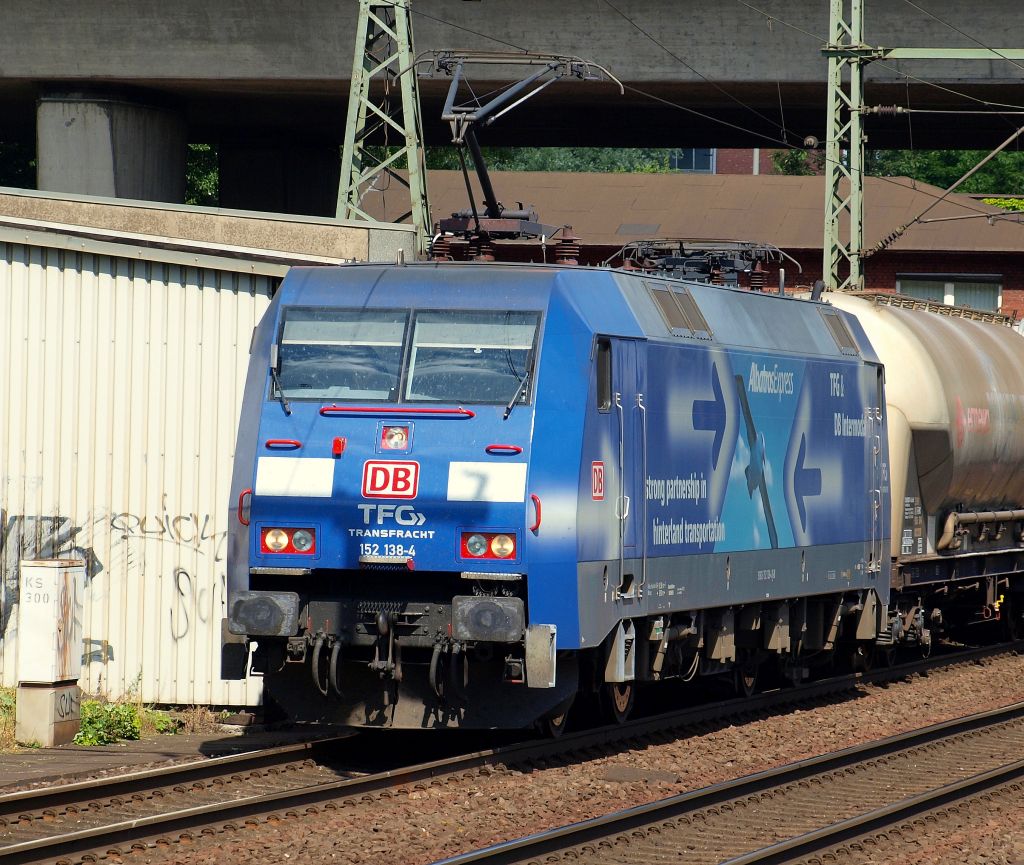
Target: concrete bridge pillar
column 111, row 146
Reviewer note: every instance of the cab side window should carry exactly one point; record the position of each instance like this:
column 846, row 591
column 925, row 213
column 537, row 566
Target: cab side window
column 604, row 374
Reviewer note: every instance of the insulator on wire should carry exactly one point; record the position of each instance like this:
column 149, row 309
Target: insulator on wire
column 480, row 248
column 886, row 109
column 567, row 250
column 886, row 241
column 757, row 277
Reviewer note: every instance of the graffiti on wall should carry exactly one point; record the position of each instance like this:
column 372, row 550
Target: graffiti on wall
column 191, row 531
column 197, row 604
column 24, row 537
column 198, row 579
column 67, row 704
column 198, row 596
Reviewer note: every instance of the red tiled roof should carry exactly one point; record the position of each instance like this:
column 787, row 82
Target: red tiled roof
column 612, row 209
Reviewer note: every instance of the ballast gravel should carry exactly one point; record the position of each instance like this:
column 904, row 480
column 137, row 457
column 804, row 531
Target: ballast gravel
column 424, row 825
column 985, row 831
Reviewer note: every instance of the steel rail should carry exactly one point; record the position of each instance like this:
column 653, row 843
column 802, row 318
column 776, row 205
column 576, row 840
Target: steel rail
column 828, row 837
column 55, row 795
column 619, row 823
column 524, row 752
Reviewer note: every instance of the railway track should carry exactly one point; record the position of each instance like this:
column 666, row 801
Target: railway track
column 38, row 822
column 179, row 802
column 789, row 813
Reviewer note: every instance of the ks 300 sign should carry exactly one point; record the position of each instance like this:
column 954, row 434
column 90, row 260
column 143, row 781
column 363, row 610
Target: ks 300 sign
column 390, row 479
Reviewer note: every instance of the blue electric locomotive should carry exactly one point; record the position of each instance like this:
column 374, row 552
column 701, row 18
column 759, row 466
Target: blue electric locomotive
column 467, row 493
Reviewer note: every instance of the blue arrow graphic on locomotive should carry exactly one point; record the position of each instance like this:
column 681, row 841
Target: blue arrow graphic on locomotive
column 806, row 482
column 755, row 469
column 709, row 415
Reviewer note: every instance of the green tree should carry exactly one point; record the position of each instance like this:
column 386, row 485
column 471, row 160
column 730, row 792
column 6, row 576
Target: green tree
column 202, row 175
column 599, row 159
column 797, row 162
column 942, row 168
column 1015, row 204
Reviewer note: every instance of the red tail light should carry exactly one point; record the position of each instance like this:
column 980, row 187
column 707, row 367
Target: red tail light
column 488, row 545
column 293, row 542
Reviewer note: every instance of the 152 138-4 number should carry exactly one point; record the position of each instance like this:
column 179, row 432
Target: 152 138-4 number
column 387, row 550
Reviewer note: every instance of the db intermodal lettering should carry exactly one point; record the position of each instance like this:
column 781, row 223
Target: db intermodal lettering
column 390, row 479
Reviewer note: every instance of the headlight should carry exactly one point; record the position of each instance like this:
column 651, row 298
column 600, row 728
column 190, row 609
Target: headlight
column 476, row 545
column 502, row 546
column 302, row 540
column 395, row 438
column 275, row 540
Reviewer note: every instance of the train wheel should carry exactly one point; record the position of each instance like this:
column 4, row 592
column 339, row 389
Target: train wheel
column 746, row 675
column 553, row 726
column 617, row 700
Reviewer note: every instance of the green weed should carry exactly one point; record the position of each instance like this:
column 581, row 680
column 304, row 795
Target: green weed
column 8, row 701
column 104, row 723
column 160, row 723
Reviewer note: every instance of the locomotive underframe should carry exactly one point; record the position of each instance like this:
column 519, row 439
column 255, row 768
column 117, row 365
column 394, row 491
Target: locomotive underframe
column 359, row 655
column 362, row 656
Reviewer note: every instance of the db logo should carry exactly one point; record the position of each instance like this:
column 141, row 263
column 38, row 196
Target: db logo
column 597, row 481
column 390, row 480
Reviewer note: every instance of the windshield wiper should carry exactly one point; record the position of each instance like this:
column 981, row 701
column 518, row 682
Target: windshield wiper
column 280, row 391
column 521, row 387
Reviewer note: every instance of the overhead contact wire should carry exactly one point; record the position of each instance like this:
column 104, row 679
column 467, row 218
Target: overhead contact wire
column 956, row 29
column 469, row 30
column 696, row 71
column 819, row 38
column 862, row 172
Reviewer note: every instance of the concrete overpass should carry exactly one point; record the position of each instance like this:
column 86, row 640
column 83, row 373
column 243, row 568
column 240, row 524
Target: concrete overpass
column 113, row 88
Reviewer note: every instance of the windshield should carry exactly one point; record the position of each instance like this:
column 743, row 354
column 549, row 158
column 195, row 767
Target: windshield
column 341, row 353
column 458, row 356
column 469, row 356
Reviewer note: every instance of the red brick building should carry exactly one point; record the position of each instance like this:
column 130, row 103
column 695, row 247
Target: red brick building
column 724, row 160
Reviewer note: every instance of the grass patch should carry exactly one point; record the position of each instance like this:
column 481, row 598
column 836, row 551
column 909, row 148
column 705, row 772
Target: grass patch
column 105, row 723
column 7, row 703
column 158, row 723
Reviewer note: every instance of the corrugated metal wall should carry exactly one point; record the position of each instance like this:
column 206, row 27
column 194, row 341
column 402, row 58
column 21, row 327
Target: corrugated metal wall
column 120, row 381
